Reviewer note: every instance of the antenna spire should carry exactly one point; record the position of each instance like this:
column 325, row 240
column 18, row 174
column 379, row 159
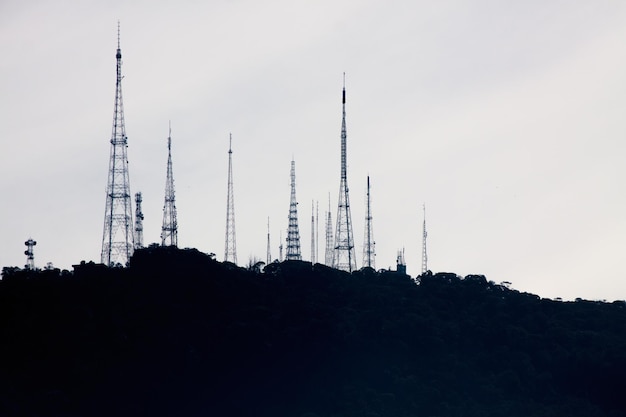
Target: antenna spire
column 344, row 258
column 169, row 230
column 117, row 237
column 269, row 253
column 293, row 232
column 369, row 251
column 230, row 254
column 424, row 235
column 138, row 222
column 329, row 236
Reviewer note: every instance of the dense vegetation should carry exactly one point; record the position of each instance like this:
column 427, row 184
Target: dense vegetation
column 180, row 334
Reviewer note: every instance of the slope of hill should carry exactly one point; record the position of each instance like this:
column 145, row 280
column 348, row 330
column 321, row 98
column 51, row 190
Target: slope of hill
column 180, row 334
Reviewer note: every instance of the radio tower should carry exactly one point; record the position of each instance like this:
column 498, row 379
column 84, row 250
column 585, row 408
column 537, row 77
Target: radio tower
column 424, row 234
column 138, row 222
column 369, row 251
column 329, row 236
column 317, row 231
column 30, row 254
column 280, row 246
column 169, row 231
column 313, row 260
column 269, row 252
column 230, row 252
column 293, row 233
column 118, row 238
column 344, row 241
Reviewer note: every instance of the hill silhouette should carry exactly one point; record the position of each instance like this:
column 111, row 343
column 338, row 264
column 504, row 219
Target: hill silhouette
column 180, row 334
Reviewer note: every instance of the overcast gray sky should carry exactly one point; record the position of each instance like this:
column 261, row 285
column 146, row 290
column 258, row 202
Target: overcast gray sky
column 505, row 117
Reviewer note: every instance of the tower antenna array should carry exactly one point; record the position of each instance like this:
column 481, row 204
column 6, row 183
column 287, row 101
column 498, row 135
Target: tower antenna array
column 369, row 248
column 344, row 258
column 169, row 230
column 293, row 233
column 30, row 254
column 118, row 237
column 230, row 252
column 138, row 222
column 424, row 235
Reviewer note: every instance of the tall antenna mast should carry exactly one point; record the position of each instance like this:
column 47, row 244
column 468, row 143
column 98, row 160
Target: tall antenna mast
column 269, row 252
column 118, row 237
column 330, row 244
column 169, row 231
column 344, row 258
column 317, row 231
column 138, row 222
column 313, row 257
column 424, row 234
column 280, row 246
column 230, row 254
column 30, row 254
column 293, row 233
column 369, row 251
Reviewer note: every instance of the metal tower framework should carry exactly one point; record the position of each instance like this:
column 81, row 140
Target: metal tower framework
column 118, row 237
column 30, row 254
column 230, row 251
column 344, row 258
column 293, row 232
column 269, row 251
column 330, row 248
column 369, row 247
column 313, row 253
column 138, row 221
column 424, row 235
column 169, row 230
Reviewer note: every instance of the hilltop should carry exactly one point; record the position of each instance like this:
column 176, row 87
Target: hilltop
column 181, row 334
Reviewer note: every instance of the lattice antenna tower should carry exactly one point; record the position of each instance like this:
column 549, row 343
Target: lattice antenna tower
column 269, row 251
column 317, row 231
column 424, row 235
column 138, row 221
column 313, row 257
column 30, row 254
column 118, row 237
column 369, row 247
column 293, row 232
column 330, row 243
column 230, row 252
column 169, row 230
column 344, row 258
column 280, row 246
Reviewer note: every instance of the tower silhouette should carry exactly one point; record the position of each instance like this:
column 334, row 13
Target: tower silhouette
column 138, row 222
column 313, row 254
column 118, row 237
column 424, row 235
column 293, row 233
column 269, row 251
column 230, row 251
column 330, row 244
column 169, row 230
column 280, row 246
column 369, row 250
column 30, row 254
column 344, row 258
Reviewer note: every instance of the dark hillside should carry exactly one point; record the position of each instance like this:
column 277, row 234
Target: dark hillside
column 180, row 334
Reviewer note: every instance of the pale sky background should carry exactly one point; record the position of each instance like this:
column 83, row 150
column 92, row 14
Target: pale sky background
column 505, row 117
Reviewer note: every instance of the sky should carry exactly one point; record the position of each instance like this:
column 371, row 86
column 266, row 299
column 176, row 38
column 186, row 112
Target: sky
column 505, row 118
